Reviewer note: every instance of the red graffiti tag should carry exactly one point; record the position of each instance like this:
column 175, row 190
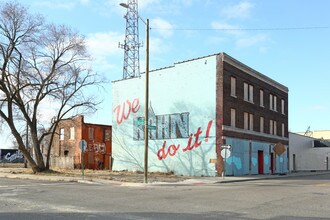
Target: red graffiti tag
column 172, row 149
column 123, row 111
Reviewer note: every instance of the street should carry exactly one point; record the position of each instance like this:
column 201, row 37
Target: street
column 283, row 198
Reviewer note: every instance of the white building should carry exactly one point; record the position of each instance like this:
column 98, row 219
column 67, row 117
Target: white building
column 307, row 153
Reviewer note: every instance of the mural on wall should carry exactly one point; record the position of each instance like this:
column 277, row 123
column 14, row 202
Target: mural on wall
column 241, row 159
column 164, row 128
column 181, row 120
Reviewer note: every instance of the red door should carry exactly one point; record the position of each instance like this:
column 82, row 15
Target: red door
column 260, row 162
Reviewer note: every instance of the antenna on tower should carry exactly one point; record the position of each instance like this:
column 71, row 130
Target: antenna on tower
column 131, row 44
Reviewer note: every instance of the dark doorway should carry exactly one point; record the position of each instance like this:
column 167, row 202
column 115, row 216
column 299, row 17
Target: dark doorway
column 272, row 163
column 260, row 162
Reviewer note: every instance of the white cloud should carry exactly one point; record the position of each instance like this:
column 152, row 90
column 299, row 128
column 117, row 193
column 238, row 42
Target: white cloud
column 240, row 10
column 146, row 3
column 162, row 26
column 249, row 41
column 158, row 46
column 104, row 49
column 85, row 2
column 241, row 38
column 104, row 44
column 56, row 4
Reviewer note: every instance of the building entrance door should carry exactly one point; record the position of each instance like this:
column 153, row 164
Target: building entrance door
column 260, row 162
column 271, row 163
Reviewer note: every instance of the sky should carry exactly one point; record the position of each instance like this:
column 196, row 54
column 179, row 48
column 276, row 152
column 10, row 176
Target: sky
column 287, row 40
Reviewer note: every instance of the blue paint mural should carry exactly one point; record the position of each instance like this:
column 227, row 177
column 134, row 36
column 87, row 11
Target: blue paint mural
column 243, row 162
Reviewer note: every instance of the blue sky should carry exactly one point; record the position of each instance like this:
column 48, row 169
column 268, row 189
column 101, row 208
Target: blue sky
column 185, row 29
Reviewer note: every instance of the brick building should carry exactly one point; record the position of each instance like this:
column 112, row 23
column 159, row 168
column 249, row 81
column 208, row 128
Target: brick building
column 65, row 152
column 197, row 109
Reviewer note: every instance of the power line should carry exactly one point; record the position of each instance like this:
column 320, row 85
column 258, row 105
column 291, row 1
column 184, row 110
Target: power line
column 245, row 29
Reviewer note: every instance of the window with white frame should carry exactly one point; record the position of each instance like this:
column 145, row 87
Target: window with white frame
column 282, row 106
column 72, row 133
column 233, row 86
column 262, row 124
column 251, row 93
column 271, row 126
column 261, row 98
column 61, row 134
column 248, row 121
column 272, row 102
column 248, row 92
column 251, row 122
column 232, row 117
column 283, row 130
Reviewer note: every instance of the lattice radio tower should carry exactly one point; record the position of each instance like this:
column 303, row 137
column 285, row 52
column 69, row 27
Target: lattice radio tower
column 131, row 44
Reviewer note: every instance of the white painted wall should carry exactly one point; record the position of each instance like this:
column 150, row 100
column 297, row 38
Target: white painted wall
column 307, row 157
column 186, row 90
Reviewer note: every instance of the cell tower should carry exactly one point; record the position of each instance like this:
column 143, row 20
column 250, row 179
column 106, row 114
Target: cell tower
column 131, row 44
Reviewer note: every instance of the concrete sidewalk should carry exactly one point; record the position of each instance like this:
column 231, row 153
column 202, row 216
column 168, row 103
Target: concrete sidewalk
column 136, row 180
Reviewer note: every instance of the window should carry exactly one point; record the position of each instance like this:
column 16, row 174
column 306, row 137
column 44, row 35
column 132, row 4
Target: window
column 233, row 86
column 61, row 134
column 273, row 127
column 282, row 106
column 261, row 97
column 262, row 124
column 91, row 133
column 251, row 122
column 107, row 135
column 248, row 92
column 232, row 117
column 248, row 121
column 272, row 102
column 72, row 132
column 66, row 153
column 283, row 131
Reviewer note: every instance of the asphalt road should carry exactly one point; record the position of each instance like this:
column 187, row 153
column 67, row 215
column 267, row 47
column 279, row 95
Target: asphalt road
column 285, row 198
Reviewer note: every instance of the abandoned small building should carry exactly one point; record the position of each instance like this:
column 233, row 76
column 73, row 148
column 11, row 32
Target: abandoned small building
column 66, row 153
column 208, row 116
column 308, row 153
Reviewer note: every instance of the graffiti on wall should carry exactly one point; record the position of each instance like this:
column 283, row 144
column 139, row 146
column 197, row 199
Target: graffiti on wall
column 11, row 156
column 97, row 147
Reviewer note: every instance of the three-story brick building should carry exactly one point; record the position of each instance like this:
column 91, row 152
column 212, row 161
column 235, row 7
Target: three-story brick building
column 197, row 109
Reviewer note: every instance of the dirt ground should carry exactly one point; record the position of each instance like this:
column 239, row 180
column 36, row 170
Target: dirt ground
column 123, row 176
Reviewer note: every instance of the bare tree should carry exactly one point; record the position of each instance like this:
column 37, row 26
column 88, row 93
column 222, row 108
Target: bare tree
column 41, row 64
